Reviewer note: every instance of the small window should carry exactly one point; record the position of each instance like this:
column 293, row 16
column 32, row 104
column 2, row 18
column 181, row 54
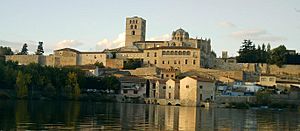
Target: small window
column 164, row 87
column 167, row 76
column 194, row 62
column 163, row 62
column 170, row 87
column 135, row 26
column 175, row 62
column 131, row 27
column 135, row 91
column 148, row 54
column 155, row 54
column 133, row 33
column 187, row 86
column 130, row 21
column 186, row 61
column 200, row 87
column 168, row 62
column 179, row 62
column 125, row 91
column 155, row 61
column 172, row 76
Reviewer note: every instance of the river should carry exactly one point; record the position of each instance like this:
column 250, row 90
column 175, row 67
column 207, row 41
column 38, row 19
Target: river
column 66, row 115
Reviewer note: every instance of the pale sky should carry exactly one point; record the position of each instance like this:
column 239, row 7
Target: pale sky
column 93, row 25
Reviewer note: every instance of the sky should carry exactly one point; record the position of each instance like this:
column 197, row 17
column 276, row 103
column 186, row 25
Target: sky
column 94, row 25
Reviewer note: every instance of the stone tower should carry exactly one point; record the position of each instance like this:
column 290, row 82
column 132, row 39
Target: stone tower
column 135, row 30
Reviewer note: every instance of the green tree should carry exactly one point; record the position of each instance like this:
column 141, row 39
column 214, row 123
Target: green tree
column 278, row 55
column 247, row 53
column 111, row 83
column 40, row 49
column 5, row 51
column 72, row 89
column 24, row 50
column 22, row 83
column 99, row 65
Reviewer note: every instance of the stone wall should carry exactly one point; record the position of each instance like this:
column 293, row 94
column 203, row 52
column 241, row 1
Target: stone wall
column 235, row 99
column 24, row 59
column 115, row 63
column 145, row 71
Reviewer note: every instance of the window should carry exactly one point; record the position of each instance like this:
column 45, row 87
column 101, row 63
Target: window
column 179, row 62
column 125, row 91
column 200, row 97
column 167, row 76
column 163, row 52
column 162, row 76
column 135, row 91
column 172, row 76
column 184, row 53
column 133, row 33
column 188, row 53
column 170, row 87
column 211, row 97
column 175, row 62
column 163, row 62
column 271, row 79
column 194, row 62
column 169, row 95
column 164, row 87
column 200, row 87
column 263, row 79
column 148, row 54
column 135, row 26
column 130, row 21
column 131, row 27
column 187, row 86
column 155, row 61
column 186, row 61
column 155, row 54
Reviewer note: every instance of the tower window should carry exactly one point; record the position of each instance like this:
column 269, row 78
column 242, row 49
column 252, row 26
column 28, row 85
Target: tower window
column 186, row 61
column 135, row 26
column 133, row 33
column 131, row 26
column 130, row 21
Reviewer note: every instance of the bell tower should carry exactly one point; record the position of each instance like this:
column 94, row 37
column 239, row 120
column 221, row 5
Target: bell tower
column 135, row 30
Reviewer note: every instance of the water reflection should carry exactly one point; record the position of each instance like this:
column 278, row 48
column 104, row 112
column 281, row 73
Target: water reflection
column 44, row 115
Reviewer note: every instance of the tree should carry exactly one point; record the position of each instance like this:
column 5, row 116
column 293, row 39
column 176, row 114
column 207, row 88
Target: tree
column 5, row 51
column 99, row 65
column 40, row 49
column 111, row 83
column 247, row 53
column 72, row 89
column 278, row 55
column 22, row 83
column 24, row 50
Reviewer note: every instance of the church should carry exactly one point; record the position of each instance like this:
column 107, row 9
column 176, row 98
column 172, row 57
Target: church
column 181, row 52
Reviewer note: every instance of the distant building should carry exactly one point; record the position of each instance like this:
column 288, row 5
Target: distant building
column 133, row 86
column 172, row 89
column 267, row 80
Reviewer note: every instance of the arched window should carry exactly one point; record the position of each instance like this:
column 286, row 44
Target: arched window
column 168, row 52
column 133, row 33
column 186, row 61
column 172, row 52
column 184, row 52
column 163, row 52
column 155, row 54
column 135, row 26
column 130, row 21
column 194, row 62
column 188, row 53
column 180, row 52
column 176, row 52
column 136, row 21
column 131, row 26
column 155, row 61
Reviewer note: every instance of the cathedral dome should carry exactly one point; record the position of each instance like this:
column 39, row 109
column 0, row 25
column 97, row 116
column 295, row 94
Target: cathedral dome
column 180, row 35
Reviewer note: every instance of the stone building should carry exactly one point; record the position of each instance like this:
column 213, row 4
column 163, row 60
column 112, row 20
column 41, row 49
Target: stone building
column 267, row 80
column 172, row 89
column 194, row 90
column 133, row 86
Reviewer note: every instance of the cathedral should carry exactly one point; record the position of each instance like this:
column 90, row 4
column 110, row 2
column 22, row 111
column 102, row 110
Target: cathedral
column 181, row 52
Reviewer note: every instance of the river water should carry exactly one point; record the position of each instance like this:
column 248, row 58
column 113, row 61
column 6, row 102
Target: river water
column 49, row 115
